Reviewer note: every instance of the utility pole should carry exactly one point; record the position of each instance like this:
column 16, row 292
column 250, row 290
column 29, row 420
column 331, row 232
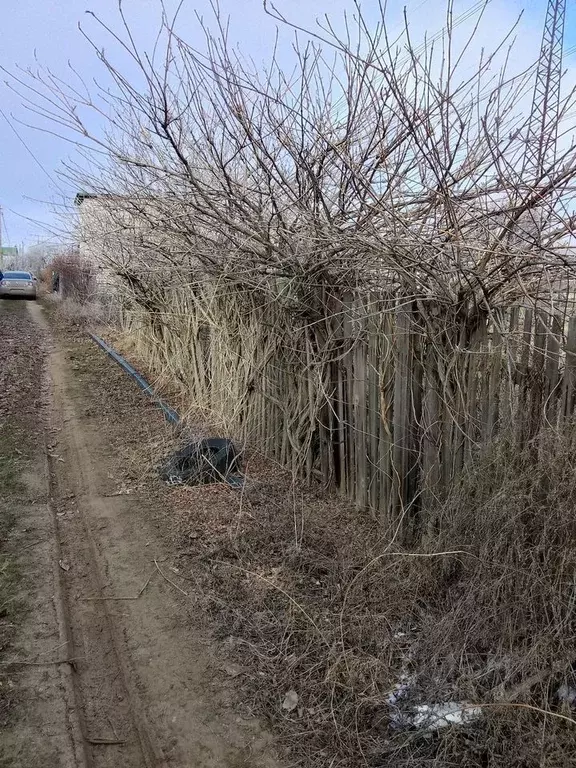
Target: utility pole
column 542, row 128
column 542, row 134
column 543, row 125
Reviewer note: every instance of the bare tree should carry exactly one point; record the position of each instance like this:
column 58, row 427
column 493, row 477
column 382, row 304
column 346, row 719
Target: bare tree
column 375, row 177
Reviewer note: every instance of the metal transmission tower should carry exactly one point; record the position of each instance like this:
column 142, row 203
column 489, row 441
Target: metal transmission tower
column 543, row 124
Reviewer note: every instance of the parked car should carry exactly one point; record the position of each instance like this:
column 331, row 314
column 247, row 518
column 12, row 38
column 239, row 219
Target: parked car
column 17, row 284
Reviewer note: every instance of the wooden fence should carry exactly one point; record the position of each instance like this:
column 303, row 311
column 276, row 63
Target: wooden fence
column 412, row 412
column 368, row 398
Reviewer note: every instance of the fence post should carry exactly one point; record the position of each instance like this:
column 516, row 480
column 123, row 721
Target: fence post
column 569, row 378
column 401, row 411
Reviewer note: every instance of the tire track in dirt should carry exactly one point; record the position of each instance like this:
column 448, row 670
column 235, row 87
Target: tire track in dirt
column 43, row 727
column 115, row 729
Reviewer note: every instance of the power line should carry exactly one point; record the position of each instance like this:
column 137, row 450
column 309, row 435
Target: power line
column 466, row 14
column 32, row 155
column 3, row 221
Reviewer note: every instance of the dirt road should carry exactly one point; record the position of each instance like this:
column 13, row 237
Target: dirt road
column 119, row 670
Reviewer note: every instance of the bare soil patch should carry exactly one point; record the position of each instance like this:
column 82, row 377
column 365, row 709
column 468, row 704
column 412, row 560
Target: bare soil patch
column 37, row 707
column 150, row 677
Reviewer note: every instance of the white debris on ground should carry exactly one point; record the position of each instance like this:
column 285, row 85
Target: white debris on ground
column 290, row 701
column 400, row 691
column 406, row 713
column 427, row 716
column 434, row 716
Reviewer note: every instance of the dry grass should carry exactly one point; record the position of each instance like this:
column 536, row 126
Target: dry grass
column 317, row 600
column 81, row 314
column 315, row 597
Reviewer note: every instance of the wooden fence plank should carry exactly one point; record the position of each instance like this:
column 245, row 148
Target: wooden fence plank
column 510, row 352
column 349, row 395
column 415, row 427
column 537, row 372
column 492, row 402
column 385, row 439
column 373, row 418
column 552, row 370
column 524, row 416
column 360, row 425
column 569, row 377
column 431, row 434
column 401, row 409
column 475, row 364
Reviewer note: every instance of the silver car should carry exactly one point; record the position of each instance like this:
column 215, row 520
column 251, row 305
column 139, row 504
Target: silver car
column 17, row 284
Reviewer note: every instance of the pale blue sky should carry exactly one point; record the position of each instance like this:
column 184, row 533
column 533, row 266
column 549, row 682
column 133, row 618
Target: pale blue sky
column 48, row 29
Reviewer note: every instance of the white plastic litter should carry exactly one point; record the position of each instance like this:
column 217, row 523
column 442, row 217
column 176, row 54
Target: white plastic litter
column 401, row 690
column 434, row 716
column 428, row 717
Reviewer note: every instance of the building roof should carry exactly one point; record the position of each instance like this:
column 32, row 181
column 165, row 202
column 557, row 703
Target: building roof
column 81, row 196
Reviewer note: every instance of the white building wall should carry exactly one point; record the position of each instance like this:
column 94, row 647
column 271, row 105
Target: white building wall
column 103, row 241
